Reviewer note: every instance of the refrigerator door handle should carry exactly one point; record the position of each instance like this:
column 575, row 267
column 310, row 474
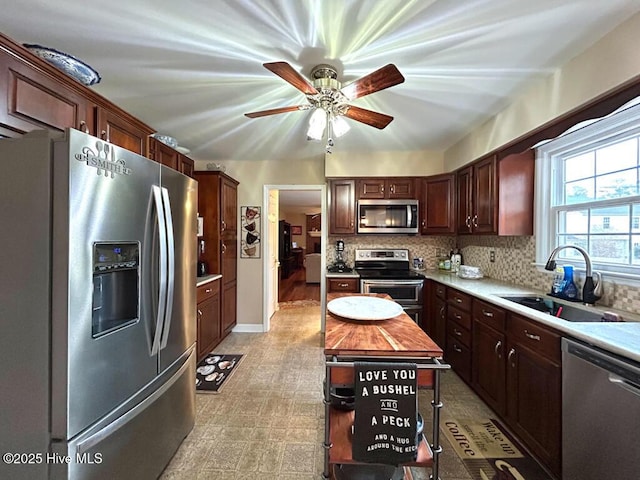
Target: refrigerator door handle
column 162, row 294
column 170, row 270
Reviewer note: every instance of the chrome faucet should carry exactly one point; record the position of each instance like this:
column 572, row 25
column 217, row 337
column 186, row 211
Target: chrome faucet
column 591, row 292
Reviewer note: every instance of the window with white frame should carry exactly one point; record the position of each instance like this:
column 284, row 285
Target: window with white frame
column 588, row 194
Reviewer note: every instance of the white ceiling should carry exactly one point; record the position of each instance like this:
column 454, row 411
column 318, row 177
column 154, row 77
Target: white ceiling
column 192, row 68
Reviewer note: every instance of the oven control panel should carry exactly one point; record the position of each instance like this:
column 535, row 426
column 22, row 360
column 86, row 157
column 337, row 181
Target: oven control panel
column 396, row 254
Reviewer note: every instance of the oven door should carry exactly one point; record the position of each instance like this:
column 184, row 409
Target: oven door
column 404, row 292
column 414, row 312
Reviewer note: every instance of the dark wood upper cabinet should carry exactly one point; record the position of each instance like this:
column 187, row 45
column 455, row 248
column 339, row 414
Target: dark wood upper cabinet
column 186, row 165
column 495, row 196
column 437, row 205
column 121, row 131
column 342, row 207
column 390, row 188
column 163, row 153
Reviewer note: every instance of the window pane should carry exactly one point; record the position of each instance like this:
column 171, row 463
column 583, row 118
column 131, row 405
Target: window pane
column 581, row 166
column 635, row 221
column 580, row 191
column 610, row 219
column 635, row 240
column 572, row 253
column 610, row 248
column 617, row 185
column 616, row 157
column 573, row 222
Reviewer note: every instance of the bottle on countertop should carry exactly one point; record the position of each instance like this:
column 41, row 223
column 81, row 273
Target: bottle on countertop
column 558, row 281
column 569, row 289
column 456, row 260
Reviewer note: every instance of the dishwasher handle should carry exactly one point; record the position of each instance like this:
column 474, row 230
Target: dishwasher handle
column 622, row 383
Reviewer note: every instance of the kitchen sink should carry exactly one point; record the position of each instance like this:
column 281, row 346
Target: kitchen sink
column 561, row 310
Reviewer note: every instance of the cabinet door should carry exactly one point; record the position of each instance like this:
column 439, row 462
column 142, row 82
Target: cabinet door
column 342, row 209
column 401, row 188
column 438, row 321
column 208, row 325
column 464, row 182
column 163, row 153
column 343, row 285
column 229, row 298
column 33, row 100
column 489, row 379
column 516, row 175
column 371, row 188
column 186, row 165
column 534, row 402
column 485, row 197
column 229, row 202
column 115, row 129
column 437, row 207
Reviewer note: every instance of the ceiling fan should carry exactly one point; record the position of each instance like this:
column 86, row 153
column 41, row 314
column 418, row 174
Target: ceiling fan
column 330, row 100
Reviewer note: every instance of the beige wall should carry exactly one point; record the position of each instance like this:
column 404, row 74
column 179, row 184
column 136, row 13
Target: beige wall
column 383, row 164
column 253, row 175
column 610, row 62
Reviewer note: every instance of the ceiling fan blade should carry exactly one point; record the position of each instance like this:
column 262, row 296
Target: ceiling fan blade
column 385, row 77
column 286, row 72
column 274, row 111
column 375, row 119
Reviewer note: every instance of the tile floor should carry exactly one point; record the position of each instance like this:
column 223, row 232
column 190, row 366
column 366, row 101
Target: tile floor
column 268, row 421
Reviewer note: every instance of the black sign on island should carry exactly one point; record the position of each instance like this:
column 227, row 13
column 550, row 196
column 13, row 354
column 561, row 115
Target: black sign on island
column 385, row 424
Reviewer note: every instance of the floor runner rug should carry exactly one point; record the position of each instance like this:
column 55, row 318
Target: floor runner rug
column 214, row 370
column 488, row 453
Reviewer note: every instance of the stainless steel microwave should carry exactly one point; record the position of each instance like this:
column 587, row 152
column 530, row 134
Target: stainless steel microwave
column 388, row 216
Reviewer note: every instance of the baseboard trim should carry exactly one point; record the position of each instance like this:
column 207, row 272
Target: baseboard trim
column 248, row 328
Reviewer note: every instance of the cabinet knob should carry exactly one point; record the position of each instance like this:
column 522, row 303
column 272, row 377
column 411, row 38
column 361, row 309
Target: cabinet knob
column 224, row 248
column 458, row 299
column 467, row 222
column 207, row 290
column 487, row 314
column 441, row 312
column 498, row 349
column 345, row 285
column 457, row 348
column 199, row 312
column 475, row 221
column 224, row 225
column 457, row 332
column 458, row 316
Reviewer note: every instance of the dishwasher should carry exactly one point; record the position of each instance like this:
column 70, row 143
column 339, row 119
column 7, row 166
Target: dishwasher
column 600, row 414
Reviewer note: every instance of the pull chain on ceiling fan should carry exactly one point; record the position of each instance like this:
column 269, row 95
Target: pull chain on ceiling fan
column 330, row 101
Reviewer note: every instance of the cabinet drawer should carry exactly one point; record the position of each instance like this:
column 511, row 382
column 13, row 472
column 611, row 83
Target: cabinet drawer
column 489, row 314
column 461, row 334
column 459, row 316
column 441, row 291
column 459, row 356
column 207, row 290
column 535, row 337
column 459, row 299
column 343, row 285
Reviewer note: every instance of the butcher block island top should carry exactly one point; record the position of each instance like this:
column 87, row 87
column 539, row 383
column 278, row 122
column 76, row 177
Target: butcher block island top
column 399, row 336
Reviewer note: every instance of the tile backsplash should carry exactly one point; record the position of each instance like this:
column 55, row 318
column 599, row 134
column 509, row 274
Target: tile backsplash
column 514, row 261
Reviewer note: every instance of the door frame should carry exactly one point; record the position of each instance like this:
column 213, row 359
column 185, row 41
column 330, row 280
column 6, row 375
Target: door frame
column 266, row 321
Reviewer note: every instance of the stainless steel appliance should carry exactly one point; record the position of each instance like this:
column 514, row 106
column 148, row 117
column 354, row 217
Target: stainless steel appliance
column 388, row 216
column 600, row 411
column 388, row 271
column 97, row 299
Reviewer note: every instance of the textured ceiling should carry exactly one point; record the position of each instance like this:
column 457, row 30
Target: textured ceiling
column 191, row 69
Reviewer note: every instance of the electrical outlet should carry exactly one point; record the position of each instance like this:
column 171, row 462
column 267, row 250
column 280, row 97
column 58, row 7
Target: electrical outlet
column 492, row 256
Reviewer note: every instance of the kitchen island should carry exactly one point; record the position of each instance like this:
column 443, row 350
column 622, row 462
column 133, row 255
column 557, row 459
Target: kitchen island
column 394, row 339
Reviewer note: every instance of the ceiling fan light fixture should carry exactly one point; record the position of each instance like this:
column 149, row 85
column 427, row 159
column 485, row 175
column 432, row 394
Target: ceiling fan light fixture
column 317, row 124
column 339, row 126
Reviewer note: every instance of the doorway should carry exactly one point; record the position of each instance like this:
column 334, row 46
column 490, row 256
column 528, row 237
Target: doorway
column 294, row 262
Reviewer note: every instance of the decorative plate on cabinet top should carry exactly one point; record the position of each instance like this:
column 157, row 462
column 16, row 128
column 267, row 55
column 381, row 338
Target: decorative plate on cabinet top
column 364, row 308
column 67, row 63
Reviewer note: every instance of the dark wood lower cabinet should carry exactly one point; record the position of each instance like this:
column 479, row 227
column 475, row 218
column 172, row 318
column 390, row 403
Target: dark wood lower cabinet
column 534, row 401
column 208, row 318
column 489, row 376
column 229, row 313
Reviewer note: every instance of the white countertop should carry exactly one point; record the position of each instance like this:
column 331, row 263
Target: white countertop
column 342, row 275
column 622, row 338
column 206, row 279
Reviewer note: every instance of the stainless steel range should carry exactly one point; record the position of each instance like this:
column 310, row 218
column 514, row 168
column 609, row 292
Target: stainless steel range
column 388, row 271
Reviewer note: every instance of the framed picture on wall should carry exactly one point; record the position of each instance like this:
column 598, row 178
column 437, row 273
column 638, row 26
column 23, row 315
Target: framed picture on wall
column 250, row 232
column 296, row 229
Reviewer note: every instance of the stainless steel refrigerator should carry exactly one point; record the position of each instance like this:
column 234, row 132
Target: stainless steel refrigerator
column 97, row 309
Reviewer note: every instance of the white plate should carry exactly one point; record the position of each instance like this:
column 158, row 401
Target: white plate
column 364, row 308
column 212, row 360
column 183, row 150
